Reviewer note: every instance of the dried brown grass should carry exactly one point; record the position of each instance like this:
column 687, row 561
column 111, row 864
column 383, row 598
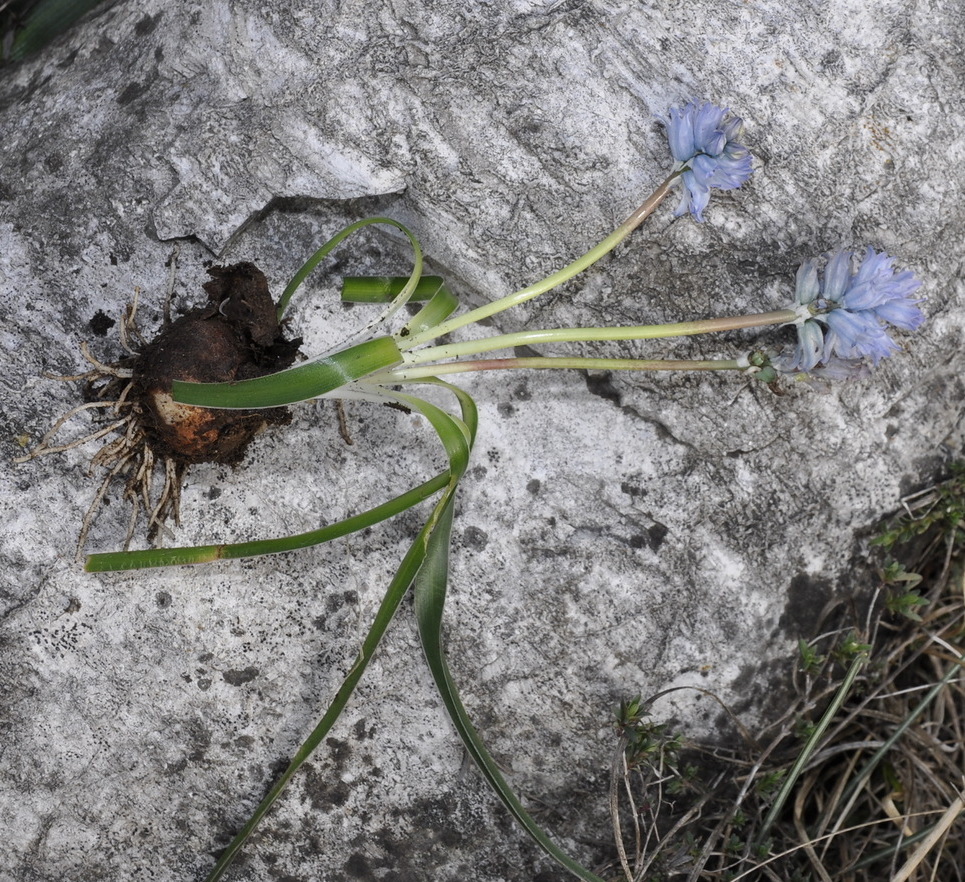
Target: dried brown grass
column 879, row 794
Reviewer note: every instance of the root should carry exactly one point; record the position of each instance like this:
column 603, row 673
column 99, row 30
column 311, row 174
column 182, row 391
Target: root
column 44, row 446
column 96, row 503
column 101, row 370
column 109, row 388
column 129, row 332
column 343, row 422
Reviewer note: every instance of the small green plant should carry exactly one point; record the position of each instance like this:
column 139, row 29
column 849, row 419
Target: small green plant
column 811, row 661
column 906, row 604
column 850, row 648
column 939, row 511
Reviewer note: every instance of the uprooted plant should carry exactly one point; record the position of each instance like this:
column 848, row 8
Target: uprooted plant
column 842, row 318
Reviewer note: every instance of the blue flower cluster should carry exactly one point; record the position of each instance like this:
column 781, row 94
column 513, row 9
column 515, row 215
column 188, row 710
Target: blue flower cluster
column 844, row 317
column 703, row 141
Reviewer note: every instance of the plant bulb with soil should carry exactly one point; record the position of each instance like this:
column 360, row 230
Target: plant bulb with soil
column 235, row 336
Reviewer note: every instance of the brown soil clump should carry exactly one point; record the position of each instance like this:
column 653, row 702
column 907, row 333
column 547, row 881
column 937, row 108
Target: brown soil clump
column 235, row 337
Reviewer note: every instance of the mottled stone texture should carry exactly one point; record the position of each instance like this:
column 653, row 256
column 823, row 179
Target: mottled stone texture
column 616, row 535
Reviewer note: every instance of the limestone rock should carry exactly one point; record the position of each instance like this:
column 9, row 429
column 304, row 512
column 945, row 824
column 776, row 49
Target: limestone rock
column 617, row 535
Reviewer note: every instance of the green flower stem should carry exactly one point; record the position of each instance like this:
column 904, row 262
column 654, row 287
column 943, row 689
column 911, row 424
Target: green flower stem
column 551, row 281
column 560, row 363
column 586, row 335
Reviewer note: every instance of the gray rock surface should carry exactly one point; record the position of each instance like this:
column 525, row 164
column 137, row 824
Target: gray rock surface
column 617, row 535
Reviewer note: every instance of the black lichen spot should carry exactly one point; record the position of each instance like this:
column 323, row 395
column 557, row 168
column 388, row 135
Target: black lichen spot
column 334, row 602
column 533, row 486
column 176, row 768
column 339, row 750
column 132, row 92
column 322, row 790
column 357, row 866
column 602, row 385
column 73, row 605
column 505, row 409
column 474, row 538
column 657, row 533
column 100, row 324
column 146, row 25
column 199, row 740
column 806, row 597
column 239, row 678
column 162, row 599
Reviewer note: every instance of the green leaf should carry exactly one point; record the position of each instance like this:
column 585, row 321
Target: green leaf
column 339, row 237
column 809, row 747
column 457, row 436
column 390, row 603
column 430, row 594
column 48, row 20
column 166, row 557
column 440, row 307
column 384, row 289
column 295, row 384
column 906, row 604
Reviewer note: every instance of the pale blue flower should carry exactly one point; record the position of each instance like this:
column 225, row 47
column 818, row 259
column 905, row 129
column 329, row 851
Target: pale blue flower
column 703, row 141
column 846, row 315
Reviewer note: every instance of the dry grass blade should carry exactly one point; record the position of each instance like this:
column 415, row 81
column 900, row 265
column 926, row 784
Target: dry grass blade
column 862, row 784
column 938, row 831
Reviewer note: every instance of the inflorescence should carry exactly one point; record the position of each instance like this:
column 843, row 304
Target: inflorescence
column 704, row 143
column 843, row 318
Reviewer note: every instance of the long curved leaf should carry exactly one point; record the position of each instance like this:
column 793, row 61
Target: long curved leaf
column 403, row 295
column 430, row 595
column 456, row 436
column 198, row 554
column 294, row 384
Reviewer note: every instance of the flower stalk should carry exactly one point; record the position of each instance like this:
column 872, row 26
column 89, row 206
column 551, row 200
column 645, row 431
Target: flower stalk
column 596, row 335
column 551, row 281
column 559, row 362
